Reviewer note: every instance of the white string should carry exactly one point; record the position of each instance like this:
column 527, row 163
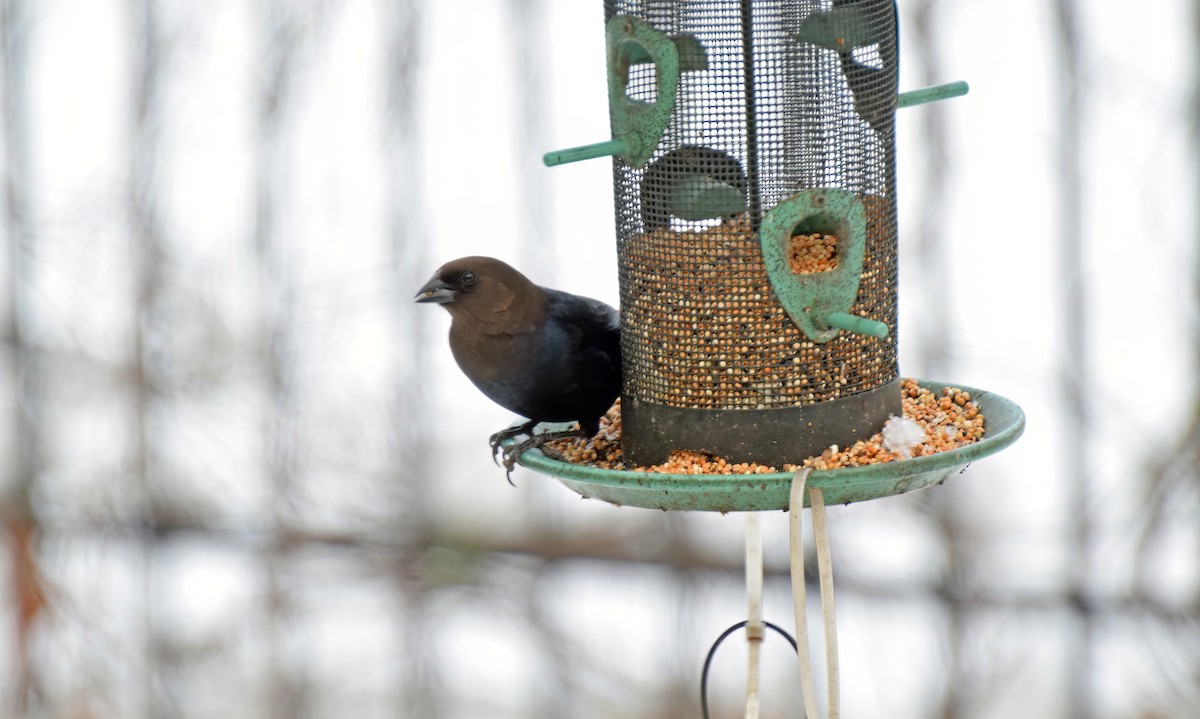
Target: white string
column 755, row 629
column 800, row 594
column 816, row 502
column 800, row 591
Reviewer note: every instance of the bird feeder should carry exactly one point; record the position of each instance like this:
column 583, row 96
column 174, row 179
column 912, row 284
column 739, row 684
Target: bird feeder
column 754, row 177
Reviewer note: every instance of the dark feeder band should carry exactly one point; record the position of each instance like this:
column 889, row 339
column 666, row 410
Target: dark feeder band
column 650, row 432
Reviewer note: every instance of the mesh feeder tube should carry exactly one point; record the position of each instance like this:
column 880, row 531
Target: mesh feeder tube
column 743, row 136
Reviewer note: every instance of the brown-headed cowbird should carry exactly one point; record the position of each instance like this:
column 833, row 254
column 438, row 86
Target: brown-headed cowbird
column 546, row 355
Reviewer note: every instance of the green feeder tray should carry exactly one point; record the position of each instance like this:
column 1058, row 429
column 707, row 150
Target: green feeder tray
column 1003, row 424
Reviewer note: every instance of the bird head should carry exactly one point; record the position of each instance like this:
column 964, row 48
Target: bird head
column 447, row 284
column 478, row 286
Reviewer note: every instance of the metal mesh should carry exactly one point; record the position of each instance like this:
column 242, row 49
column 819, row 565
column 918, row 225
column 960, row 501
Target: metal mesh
column 701, row 324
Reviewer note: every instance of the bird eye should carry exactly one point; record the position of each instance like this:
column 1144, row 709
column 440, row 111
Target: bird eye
column 468, row 278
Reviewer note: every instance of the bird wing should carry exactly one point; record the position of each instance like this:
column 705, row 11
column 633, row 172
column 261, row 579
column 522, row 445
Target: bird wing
column 581, row 356
column 592, row 325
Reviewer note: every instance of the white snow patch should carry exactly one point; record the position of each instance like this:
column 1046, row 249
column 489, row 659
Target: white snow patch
column 900, row 434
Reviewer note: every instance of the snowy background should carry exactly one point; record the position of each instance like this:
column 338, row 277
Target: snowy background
column 242, row 477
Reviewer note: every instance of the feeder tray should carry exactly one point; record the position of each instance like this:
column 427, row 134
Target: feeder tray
column 1004, row 423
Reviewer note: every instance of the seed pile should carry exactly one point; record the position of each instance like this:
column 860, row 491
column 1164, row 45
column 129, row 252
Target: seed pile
column 810, row 254
column 950, row 420
column 702, row 327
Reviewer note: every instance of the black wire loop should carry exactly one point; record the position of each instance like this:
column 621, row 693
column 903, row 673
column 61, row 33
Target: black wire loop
column 713, row 651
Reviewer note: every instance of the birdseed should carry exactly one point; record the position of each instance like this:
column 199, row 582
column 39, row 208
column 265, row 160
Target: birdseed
column 810, row 254
column 950, row 420
column 703, row 328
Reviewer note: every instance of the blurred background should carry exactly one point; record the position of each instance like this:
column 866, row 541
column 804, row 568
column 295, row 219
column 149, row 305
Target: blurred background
column 240, row 475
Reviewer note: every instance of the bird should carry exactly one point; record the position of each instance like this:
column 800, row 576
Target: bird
column 544, row 354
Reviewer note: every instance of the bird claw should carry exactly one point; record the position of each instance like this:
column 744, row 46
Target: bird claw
column 510, row 454
column 496, row 442
column 553, row 453
column 514, row 451
column 510, row 462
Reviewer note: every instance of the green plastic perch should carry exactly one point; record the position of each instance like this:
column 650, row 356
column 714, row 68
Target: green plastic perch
column 618, row 146
column 931, row 94
column 586, row 152
column 856, row 324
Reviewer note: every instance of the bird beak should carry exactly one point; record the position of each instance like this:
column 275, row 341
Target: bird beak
column 435, row 291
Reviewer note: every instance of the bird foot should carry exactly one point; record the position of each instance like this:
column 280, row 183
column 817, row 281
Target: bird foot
column 553, row 453
column 512, row 452
column 497, row 440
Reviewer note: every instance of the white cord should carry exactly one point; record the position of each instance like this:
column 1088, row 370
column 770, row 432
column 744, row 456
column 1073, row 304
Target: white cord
column 800, row 594
column 816, row 502
column 755, row 629
column 800, row 591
